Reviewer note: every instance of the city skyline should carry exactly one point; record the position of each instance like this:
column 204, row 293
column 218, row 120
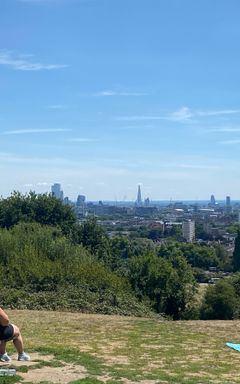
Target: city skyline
column 57, row 190
column 102, row 96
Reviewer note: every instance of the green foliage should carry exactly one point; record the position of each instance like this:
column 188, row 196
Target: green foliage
column 77, row 267
column 167, row 283
column 42, row 268
column 44, row 209
column 80, row 299
column 224, row 261
column 198, row 256
column 93, row 237
column 236, row 253
column 220, row 302
column 233, row 228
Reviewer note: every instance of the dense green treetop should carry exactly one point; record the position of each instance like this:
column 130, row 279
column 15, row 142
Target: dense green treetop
column 44, row 209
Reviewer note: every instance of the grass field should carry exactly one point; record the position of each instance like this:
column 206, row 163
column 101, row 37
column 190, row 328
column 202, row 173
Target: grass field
column 93, row 349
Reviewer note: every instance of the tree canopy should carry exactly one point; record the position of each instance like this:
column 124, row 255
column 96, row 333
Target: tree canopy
column 43, row 209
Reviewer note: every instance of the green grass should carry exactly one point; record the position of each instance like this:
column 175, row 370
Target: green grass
column 114, row 349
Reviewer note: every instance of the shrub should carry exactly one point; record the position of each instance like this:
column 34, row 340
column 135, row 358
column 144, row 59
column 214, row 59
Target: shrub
column 220, row 302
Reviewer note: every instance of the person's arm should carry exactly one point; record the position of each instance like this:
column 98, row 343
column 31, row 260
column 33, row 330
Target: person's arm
column 4, row 319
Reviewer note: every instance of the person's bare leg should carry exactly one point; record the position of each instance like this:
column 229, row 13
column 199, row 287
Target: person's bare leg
column 18, row 343
column 17, row 340
column 2, row 347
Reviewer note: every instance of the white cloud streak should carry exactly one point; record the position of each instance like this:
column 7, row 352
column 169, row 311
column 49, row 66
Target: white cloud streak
column 30, row 131
column 111, row 93
column 218, row 113
column 181, row 115
column 79, row 140
column 23, row 63
column 229, row 142
column 57, row 106
column 225, row 129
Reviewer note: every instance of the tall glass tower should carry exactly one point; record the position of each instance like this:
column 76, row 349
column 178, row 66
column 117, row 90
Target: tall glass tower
column 139, row 197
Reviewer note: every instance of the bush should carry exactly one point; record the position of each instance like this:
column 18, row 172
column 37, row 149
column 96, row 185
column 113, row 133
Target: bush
column 76, row 299
column 220, row 302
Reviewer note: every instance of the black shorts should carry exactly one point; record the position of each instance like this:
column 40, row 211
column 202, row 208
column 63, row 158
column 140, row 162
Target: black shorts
column 6, row 332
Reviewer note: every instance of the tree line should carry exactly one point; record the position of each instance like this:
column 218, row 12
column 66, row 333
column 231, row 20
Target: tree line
column 48, row 260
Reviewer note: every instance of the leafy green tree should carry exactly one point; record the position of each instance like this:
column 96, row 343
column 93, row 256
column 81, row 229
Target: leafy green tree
column 155, row 234
column 169, row 284
column 223, row 257
column 220, row 302
column 93, row 237
column 120, row 252
column 233, row 228
column 182, row 287
column 198, row 256
column 236, row 253
column 44, row 209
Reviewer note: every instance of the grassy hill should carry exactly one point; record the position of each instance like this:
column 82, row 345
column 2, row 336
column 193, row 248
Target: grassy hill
column 94, row 349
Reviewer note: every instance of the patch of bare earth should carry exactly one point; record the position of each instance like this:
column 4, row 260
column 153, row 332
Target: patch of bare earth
column 60, row 375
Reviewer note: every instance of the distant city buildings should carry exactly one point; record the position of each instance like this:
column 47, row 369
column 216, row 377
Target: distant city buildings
column 188, row 230
column 56, row 191
column 147, row 202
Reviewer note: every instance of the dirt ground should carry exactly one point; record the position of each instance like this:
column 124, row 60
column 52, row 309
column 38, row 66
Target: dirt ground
column 60, row 375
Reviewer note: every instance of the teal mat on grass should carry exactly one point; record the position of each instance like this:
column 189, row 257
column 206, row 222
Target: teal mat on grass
column 234, row 346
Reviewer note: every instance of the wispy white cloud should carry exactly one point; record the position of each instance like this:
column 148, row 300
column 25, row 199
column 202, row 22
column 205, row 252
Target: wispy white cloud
column 138, row 118
column 43, row 184
column 218, row 112
column 229, row 142
column 109, row 93
column 24, row 62
column 198, row 166
column 30, row 131
column 225, row 129
column 181, row 115
column 57, row 106
column 79, row 140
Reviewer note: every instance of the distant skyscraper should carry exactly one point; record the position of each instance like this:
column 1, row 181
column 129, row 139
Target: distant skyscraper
column 81, row 200
column 228, row 201
column 139, row 197
column 56, row 191
column 212, row 200
column 147, row 202
column 188, row 230
column 228, row 204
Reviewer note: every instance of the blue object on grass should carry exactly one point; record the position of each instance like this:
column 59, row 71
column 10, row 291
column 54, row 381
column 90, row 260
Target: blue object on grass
column 234, row 346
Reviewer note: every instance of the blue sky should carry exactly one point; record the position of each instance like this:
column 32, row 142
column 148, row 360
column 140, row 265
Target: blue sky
column 101, row 95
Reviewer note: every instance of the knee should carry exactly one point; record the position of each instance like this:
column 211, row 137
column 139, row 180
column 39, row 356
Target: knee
column 16, row 331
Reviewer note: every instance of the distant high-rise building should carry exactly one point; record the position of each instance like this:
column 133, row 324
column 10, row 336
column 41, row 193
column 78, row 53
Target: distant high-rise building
column 228, row 201
column 147, row 202
column 81, row 200
column 66, row 200
column 56, row 191
column 188, row 230
column 228, row 204
column 139, row 197
column 212, row 200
